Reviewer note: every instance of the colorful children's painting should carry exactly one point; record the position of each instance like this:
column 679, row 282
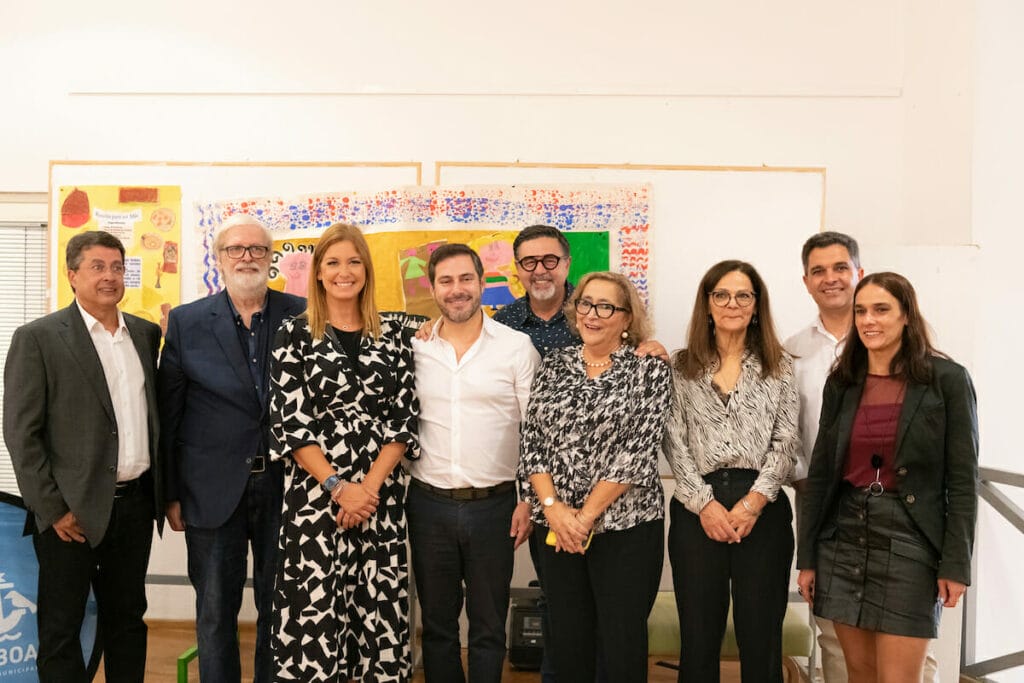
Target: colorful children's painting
column 146, row 220
column 607, row 226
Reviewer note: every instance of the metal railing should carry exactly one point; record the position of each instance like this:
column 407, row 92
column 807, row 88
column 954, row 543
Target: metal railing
column 1011, row 512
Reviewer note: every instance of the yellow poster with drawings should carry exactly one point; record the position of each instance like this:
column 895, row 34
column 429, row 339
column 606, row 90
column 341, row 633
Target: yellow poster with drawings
column 400, row 266
column 147, row 220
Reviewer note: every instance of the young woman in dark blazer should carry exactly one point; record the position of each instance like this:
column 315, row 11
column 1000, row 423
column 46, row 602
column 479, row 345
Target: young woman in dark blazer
column 887, row 523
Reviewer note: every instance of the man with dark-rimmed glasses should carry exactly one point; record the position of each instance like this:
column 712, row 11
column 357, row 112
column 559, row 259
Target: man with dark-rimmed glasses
column 222, row 491
column 542, row 263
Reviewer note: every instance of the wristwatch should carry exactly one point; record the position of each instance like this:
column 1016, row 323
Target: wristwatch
column 331, row 483
column 548, row 502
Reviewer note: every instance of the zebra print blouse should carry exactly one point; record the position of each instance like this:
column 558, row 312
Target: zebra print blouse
column 757, row 429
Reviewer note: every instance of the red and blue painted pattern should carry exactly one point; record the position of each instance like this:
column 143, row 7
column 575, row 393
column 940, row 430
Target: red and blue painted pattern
column 624, row 211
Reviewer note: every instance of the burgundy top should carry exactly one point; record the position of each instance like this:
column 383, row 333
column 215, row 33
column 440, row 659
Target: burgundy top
column 874, row 432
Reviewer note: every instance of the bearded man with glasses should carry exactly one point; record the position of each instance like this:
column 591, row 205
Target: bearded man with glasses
column 222, row 490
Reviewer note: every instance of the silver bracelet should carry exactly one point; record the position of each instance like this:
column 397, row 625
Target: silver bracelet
column 749, row 508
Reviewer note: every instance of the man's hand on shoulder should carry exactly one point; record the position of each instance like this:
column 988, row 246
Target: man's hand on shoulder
column 423, row 334
column 652, row 347
column 68, row 530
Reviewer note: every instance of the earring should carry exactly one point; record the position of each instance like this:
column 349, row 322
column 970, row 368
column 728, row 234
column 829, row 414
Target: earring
column 753, row 321
column 625, row 334
column 711, row 321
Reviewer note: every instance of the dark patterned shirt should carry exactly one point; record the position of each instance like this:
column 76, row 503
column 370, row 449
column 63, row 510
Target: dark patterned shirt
column 582, row 430
column 757, row 430
column 546, row 335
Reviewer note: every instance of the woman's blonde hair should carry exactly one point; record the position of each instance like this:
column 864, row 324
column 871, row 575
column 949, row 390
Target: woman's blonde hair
column 639, row 329
column 316, row 301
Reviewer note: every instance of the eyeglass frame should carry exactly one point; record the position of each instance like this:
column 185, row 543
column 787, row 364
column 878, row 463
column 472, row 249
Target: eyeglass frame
column 597, row 308
column 246, row 250
column 732, row 297
column 101, row 268
column 538, row 260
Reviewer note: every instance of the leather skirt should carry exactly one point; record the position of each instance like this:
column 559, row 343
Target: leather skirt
column 875, row 569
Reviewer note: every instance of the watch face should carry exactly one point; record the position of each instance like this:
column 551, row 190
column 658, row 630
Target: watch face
column 549, row 501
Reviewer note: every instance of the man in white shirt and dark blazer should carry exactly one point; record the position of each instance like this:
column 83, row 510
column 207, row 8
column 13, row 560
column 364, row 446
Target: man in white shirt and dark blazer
column 80, row 422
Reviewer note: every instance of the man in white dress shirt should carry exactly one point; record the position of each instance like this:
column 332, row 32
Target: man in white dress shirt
column 832, row 269
column 80, row 423
column 473, row 379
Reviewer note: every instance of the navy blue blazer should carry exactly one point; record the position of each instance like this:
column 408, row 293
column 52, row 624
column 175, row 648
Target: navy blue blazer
column 211, row 416
column 936, row 462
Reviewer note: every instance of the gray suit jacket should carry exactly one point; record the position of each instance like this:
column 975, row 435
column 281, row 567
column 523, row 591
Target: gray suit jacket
column 59, row 423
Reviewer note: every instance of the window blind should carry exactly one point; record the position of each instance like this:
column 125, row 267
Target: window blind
column 22, row 299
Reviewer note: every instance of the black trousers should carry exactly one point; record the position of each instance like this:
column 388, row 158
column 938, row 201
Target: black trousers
column 462, row 553
column 605, row 594
column 755, row 571
column 116, row 571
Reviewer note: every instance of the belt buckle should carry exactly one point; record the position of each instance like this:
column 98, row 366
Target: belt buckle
column 124, row 489
column 259, row 464
column 462, row 494
column 876, row 489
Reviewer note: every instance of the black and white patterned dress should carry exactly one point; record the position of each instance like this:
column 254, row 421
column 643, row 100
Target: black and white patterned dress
column 341, row 597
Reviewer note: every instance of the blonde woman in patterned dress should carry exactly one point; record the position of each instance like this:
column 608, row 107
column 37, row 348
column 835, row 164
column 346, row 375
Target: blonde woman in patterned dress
column 732, row 442
column 343, row 414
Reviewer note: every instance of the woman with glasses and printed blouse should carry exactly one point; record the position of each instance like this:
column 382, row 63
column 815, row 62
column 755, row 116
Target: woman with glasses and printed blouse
column 887, row 521
column 590, row 446
column 732, row 440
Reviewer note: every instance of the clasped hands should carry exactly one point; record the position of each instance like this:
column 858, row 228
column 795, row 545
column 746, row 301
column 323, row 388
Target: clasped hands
column 732, row 526
column 356, row 501
column 571, row 527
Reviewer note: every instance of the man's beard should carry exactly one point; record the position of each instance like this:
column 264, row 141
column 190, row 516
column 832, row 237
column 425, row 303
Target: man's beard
column 248, row 282
column 544, row 290
column 461, row 315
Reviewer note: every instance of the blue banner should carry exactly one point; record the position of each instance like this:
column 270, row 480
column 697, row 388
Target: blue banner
column 19, row 582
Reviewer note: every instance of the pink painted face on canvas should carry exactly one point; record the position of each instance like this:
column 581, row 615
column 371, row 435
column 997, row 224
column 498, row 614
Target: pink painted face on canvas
column 495, row 254
column 296, row 266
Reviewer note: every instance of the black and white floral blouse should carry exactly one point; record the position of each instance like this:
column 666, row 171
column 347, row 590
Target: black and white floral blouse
column 757, row 429
column 582, row 430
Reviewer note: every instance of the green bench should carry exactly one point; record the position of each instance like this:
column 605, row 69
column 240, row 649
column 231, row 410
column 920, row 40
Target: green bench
column 663, row 634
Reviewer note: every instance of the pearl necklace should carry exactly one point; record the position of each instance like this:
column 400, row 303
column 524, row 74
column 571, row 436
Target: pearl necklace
column 594, row 365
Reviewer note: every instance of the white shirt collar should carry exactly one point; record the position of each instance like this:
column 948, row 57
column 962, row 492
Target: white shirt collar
column 819, row 327
column 488, row 327
column 91, row 321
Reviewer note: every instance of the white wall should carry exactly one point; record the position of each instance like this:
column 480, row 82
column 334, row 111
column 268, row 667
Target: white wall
column 882, row 93
column 996, row 220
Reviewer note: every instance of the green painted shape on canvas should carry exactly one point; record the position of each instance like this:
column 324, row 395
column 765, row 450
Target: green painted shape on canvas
column 589, row 253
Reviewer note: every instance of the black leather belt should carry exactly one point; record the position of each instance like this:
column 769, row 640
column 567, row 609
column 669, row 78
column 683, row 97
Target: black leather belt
column 468, row 493
column 132, row 487
column 259, row 464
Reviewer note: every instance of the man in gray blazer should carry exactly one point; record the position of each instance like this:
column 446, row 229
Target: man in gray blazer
column 80, row 423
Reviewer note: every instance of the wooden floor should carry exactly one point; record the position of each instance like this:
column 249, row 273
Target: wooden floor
column 167, row 640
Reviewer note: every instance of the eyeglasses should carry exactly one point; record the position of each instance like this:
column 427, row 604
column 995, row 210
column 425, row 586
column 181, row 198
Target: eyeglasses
column 100, row 268
column 583, row 307
column 550, row 261
column 721, row 298
column 256, row 251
